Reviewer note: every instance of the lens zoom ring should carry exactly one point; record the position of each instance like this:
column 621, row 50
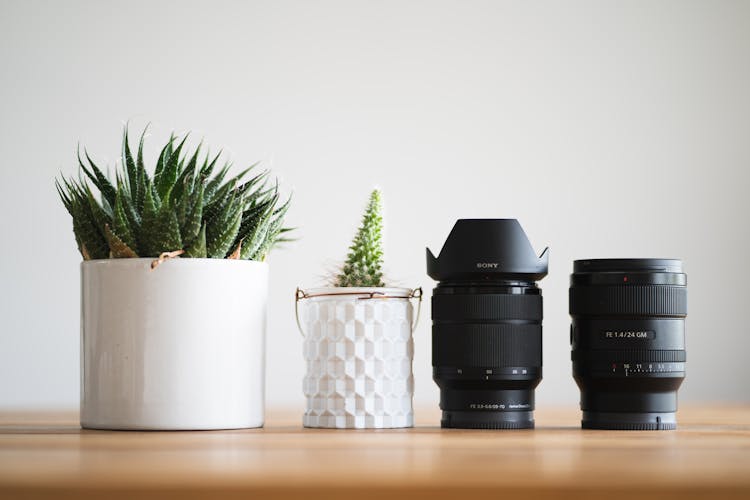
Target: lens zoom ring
column 636, row 300
column 633, row 355
column 486, row 306
column 489, row 345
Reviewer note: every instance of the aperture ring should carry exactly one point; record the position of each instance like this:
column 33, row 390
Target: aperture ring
column 626, row 355
column 635, row 300
column 486, row 307
column 482, row 345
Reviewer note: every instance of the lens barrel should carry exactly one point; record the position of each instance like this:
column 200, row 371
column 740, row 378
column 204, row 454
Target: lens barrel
column 487, row 353
column 487, row 325
column 628, row 341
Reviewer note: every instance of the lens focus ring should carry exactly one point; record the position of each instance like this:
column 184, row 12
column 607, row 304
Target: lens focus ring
column 630, row 300
column 488, row 345
column 629, row 355
column 486, row 307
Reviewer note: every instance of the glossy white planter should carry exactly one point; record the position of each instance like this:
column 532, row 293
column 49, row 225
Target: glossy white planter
column 358, row 349
column 177, row 347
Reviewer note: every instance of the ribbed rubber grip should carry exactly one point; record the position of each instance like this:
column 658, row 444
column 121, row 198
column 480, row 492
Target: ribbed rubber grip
column 626, row 426
column 629, row 355
column 486, row 345
column 632, row 420
column 635, row 300
column 461, row 424
column 486, row 306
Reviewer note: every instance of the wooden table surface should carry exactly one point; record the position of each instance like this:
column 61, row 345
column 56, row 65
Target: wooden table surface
column 45, row 455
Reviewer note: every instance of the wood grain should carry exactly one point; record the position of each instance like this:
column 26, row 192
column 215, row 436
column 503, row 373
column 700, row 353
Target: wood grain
column 46, row 454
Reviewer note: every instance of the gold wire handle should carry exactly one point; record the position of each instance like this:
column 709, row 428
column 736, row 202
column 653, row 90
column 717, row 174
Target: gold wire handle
column 300, row 294
column 416, row 294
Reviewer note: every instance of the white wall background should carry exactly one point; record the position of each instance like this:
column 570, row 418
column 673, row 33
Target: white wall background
column 608, row 128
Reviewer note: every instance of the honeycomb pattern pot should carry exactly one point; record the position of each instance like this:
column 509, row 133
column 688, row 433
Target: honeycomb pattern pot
column 358, row 348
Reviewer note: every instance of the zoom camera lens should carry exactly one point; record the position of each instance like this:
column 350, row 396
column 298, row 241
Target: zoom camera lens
column 487, row 325
column 628, row 341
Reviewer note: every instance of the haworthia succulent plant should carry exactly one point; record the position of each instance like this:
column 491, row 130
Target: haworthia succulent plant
column 185, row 205
column 364, row 264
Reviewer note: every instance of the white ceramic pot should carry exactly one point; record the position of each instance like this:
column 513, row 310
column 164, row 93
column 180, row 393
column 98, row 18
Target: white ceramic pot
column 358, row 348
column 177, row 347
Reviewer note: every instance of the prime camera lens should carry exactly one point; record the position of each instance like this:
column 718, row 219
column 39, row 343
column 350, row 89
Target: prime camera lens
column 487, row 325
column 628, row 341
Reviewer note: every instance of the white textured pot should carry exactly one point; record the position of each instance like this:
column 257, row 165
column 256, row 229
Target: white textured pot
column 177, row 347
column 358, row 348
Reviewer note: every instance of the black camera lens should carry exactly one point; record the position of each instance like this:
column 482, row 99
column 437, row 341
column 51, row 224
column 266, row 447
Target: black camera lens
column 487, row 325
column 628, row 341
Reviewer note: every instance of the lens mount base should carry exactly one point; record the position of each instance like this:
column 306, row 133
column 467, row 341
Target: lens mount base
column 640, row 421
column 494, row 408
column 487, row 419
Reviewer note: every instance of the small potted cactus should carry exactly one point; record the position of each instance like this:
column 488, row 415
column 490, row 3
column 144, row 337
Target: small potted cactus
column 358, row 340
column 173, row 289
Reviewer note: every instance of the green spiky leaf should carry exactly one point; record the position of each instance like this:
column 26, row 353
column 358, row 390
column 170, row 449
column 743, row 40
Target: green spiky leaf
column 142, row 175
column 121, row 223
column 127, row 160
column 118, row 249
column 198, row 248
column 273, row 232
column 193, row 222
column 254, row 229
column 100, row 180
column 89, row 238
column 160, row 231
column 168, row 176
column 220, row 236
